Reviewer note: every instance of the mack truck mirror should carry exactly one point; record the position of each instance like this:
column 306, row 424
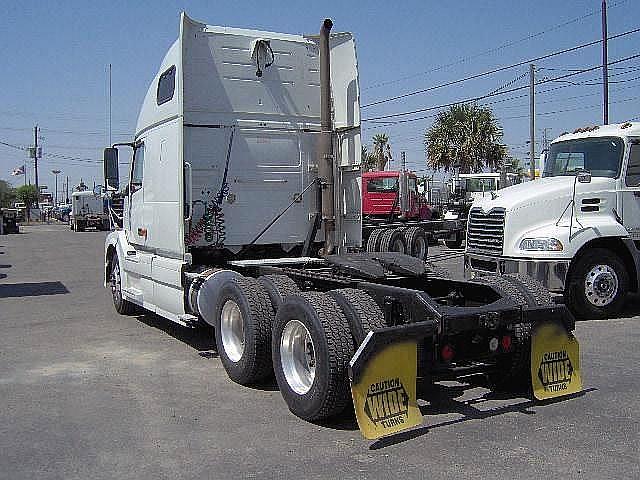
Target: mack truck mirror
column 110, row 161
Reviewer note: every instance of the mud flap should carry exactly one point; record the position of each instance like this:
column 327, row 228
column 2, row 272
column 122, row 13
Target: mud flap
column 555, row 361
column 383, row 382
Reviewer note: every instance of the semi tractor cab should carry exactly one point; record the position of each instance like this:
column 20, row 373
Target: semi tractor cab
column 576, row 230
column 242, row 210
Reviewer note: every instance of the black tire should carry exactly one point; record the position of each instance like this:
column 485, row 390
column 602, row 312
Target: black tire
column 587, row 304
column 328, row 393
column 253, row 363
column 416, row 241
column 392, row 240
column 513, row 371
column 361, row 311
column 80, row 226
column 374, row 240
column 122, row 306
column 278, row 287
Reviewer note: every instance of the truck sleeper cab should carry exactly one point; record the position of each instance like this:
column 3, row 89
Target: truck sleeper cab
column 577, row 230
column 246, row 156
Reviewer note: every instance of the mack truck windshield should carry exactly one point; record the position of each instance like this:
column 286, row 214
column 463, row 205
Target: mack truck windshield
column 242, row 210
column 577, row 230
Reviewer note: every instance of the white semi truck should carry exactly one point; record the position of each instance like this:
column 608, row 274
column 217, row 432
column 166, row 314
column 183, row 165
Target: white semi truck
column 242, row 210
column 88, row 211
column 576, row 230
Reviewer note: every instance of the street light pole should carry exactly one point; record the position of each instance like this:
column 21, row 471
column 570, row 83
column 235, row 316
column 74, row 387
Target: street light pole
column 56, row 172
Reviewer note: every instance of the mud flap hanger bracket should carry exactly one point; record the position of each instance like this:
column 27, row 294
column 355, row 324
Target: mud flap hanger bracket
column 376, row 340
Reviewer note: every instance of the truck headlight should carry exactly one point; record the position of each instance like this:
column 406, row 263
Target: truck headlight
column 541, row 244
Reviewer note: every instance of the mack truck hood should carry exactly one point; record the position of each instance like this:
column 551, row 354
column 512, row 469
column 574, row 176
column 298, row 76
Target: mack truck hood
column 543, row 207
column 545, row 192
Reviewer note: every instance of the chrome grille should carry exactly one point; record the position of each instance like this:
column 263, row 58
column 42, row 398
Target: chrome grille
column 485, row 233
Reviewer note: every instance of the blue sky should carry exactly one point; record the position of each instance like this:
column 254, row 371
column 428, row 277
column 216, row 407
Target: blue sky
column 55, row 57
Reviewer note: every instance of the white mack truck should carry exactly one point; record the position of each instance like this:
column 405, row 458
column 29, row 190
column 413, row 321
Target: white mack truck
column 242, row 210
column 576, row 230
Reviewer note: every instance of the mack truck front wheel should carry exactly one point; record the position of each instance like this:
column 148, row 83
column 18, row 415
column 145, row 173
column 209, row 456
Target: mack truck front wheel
column 597, row 284
column 243, row 318
column 312, row 346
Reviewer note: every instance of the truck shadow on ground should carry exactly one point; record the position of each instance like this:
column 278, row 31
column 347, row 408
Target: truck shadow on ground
column 34, row 289
column 442, row 400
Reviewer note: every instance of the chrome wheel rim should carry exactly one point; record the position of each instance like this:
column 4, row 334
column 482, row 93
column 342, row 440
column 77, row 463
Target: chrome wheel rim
column 298, row 356
column 232, row 330
column 601, row 285
column 421, row 248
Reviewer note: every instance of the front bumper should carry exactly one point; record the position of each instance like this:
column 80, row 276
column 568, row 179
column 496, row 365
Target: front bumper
column 551, row 273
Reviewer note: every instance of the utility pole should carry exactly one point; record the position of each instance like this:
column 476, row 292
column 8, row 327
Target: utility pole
column 403, row 156
column 56, row 172
column 67, row 191
column 532, row 119
column 35, row 157
column 110, row 105
column 605, row 68
column 545, row 138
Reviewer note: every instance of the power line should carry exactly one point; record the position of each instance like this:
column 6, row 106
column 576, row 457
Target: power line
column 499, row 69
column 492, row 50
column 475, row 99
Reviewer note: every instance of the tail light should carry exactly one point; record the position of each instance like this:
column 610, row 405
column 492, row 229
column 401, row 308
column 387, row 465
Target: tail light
column 447, row 353
column 506, row 343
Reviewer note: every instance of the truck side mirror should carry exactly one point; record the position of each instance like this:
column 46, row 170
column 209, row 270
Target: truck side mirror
column 584, row 177
column 111, row 177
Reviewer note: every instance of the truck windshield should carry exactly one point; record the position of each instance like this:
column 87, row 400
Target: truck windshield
column 600, row 156
column 383, row 185
column 480, row 184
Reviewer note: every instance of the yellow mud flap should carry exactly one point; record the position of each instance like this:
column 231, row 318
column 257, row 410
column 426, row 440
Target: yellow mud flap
column 383, row 381
column 555, row 361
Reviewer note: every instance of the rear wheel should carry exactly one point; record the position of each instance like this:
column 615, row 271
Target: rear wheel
column 597, row 285
column 416, row 242
column 392, row 240
column 122, row 306
column 360, row 310
column 243, row 330
column 374, row 240
column 312, row 347
column 278, row 287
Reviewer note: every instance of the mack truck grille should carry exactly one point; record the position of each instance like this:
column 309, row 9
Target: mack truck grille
column 486, row 231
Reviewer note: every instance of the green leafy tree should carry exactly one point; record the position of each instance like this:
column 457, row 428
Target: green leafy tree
column 381, row 150
column 27, row 194
column 7, row 194
column 465, row 137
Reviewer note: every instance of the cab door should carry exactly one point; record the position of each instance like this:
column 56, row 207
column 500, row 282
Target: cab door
column 631, row 191
column 136, row 231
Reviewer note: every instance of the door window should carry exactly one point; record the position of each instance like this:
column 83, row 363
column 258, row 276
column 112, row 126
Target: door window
column 632, row 179
column 137, row 171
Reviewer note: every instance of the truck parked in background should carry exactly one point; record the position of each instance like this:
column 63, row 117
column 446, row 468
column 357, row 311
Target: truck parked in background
column 577, row 230
column 243, row 211
column 397, row 218
column 9, row 220
column 88, row 211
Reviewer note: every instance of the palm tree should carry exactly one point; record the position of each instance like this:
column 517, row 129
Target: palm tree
column 465, row 137
column 367, row 162
column 381, row 150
